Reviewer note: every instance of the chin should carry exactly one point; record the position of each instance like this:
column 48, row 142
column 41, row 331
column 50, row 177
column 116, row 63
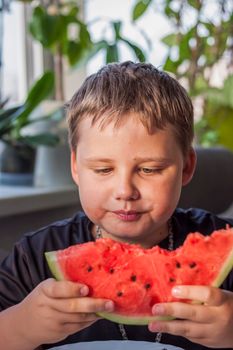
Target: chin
column 127, row 236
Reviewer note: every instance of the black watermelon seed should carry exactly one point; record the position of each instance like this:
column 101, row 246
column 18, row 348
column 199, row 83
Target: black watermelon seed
column 119, row 294
column 111, row 270
column 89, row 269
column 171, row 279
column 147, row 285
column 192, row 265
column 178, row 265
column 133, row 278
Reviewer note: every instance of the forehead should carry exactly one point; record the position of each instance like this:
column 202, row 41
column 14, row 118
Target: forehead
column 130, row 137
column 116, row 123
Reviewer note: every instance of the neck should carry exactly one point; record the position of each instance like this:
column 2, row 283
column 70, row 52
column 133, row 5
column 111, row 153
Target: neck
column 144, row 241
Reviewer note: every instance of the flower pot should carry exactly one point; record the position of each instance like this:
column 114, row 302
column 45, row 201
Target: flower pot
column 17, row 164
column 52, row 166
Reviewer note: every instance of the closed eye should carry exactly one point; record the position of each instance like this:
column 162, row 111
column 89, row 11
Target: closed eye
column 147, row 170
column 103, row 170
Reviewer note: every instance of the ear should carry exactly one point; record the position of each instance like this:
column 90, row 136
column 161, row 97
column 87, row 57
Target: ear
column 74, row 167
column 189, row 166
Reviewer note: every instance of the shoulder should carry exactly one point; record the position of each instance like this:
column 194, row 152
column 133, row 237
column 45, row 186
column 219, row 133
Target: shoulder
column 26, row 264
column 197, row 220
column 28, row 252
column 201, row 220
column 60, row 234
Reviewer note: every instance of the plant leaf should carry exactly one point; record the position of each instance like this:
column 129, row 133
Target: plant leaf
column 220, row 118
column 171, row 66
column 117, row 29
column 194, row 3
column 228, row 90
column 45, row 28
column 137, row 51
column 41, row 89
column 6, row 113
column 112, row 54
column 57, row 115
column 45, row 139
column 140, row 8
column 88, row 54
column 85, row 37
column 170, row 39
column 75, row 52
column 8, row 117
column 38, row 92
column 222, row 97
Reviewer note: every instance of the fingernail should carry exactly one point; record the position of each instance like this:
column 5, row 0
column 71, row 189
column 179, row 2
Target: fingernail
column 109, row 306
column 158, row 309
column 176, row 291
column 84, row 291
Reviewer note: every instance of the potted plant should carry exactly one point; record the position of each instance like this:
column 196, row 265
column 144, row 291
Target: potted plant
column 59, row 27
column 18, row 143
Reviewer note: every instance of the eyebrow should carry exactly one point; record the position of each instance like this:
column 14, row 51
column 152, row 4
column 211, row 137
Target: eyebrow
column 152, row 159
column 101, row 160
column 137, row 159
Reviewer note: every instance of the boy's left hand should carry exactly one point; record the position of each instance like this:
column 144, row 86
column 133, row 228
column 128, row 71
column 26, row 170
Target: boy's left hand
column 209, row 323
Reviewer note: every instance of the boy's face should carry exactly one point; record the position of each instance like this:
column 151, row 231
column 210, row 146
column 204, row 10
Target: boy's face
column 130, row 181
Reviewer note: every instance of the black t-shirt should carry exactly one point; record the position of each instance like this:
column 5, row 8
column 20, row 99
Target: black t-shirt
column 26, row 267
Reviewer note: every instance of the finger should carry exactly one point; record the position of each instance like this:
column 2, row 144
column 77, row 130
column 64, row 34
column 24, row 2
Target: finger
column 185, row 329
column 208, row 295
column 195, row 313
column 76, row 317
column 82, row 305
column 63, row 289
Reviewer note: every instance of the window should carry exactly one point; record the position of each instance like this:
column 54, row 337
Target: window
column 13, row 82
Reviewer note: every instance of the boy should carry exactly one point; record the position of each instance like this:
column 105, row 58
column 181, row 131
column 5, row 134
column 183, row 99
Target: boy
column 131, row 132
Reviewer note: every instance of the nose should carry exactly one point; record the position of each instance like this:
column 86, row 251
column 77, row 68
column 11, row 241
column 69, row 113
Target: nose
column 126, row 190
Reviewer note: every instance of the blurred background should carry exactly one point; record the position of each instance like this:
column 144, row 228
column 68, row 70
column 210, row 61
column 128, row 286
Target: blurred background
column 47, row 48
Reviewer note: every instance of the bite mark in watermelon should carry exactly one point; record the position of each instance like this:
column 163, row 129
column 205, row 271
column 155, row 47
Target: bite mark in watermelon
column 136, row 278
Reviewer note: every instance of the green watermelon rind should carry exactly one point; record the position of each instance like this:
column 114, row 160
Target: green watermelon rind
column 51, row 258
column 224, row 272
column 133, row 320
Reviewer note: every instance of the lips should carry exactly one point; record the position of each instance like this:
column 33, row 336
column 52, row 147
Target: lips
column 130, row 215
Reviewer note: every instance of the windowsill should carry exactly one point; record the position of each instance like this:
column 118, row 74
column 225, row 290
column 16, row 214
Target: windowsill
column 18, row 200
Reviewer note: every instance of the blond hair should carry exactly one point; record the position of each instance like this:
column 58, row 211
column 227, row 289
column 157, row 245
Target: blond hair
column 121, row 88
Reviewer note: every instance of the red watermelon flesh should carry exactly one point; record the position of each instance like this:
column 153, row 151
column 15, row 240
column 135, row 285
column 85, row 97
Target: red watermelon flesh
column 136, row 278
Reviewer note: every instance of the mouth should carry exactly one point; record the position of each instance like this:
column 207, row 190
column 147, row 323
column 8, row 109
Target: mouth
column 130, row 215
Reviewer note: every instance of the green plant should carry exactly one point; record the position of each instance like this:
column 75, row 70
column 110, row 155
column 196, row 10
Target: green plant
column 14, row 120
column 111, row 48
column 197, row 44
column 216, row 124
column 59, row 27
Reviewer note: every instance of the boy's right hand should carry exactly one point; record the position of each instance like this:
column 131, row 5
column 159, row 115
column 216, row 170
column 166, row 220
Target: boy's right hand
column 56, row 309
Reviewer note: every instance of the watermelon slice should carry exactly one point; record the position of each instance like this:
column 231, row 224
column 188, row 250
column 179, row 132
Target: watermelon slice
column 136, row 278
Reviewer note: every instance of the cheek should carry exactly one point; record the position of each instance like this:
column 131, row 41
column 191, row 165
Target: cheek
column 91, row 196
column 173, row 189
column 166, row 192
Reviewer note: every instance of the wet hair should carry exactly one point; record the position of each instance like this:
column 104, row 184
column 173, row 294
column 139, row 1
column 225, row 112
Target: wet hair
column 118, row 89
